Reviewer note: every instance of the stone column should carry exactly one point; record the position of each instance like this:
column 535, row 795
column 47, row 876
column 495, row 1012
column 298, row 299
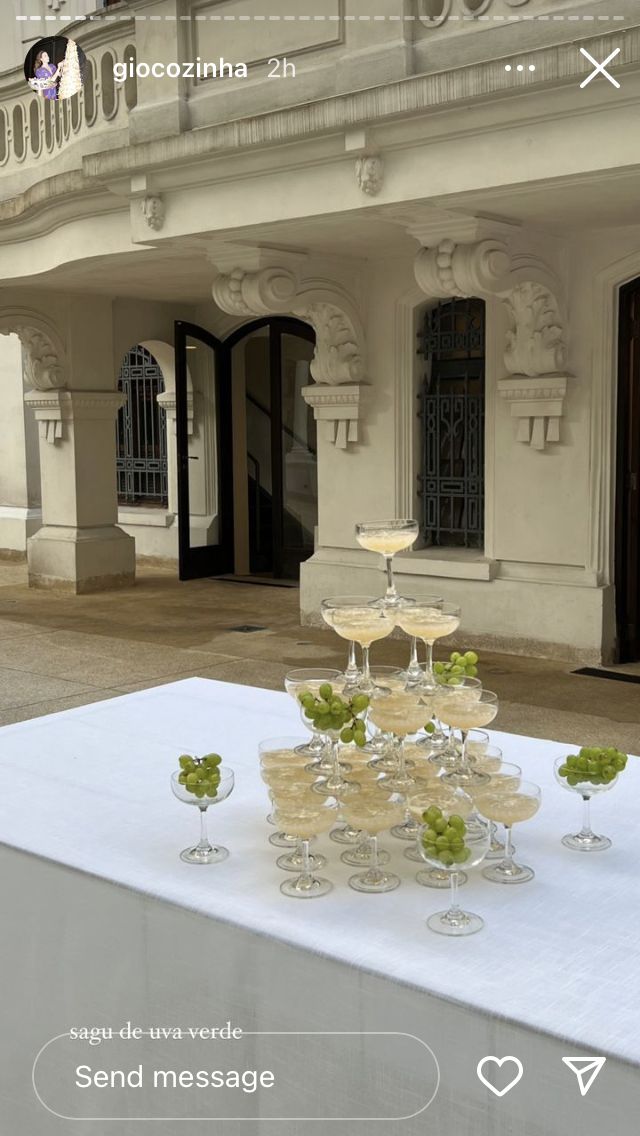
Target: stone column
column 79, row 546
column 20, row 514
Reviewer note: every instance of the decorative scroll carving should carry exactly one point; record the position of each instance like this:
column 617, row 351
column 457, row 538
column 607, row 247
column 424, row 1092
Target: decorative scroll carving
column 43, row 369
column 338, row 360
column 451, row 269
column 338, row 357
column 432, row 13
column 270, row 291
column 537, row 404
column 535, row 341
column 153, row 210
column 370, row 173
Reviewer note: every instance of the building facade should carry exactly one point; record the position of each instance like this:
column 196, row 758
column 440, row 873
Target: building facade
column 393, row 271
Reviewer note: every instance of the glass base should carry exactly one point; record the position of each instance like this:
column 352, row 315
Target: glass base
column 346, row 835
column 514, row 874
column 461, row 778
column 301, row 888
column 588, row 842
column 361, row 859
column 212, row 855
column 407, row 831
column 437, row 879
column 307, row 750
column 281, row 840
column 339, row 789
column 373, row 882
column 326, row 768
column 413, row 854
column 384, row 764
column 399, row 784
column 455, row 923
column 294, row 862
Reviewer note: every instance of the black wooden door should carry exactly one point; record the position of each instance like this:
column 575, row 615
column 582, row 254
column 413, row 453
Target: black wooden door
column 205, row 475
column 627, row 568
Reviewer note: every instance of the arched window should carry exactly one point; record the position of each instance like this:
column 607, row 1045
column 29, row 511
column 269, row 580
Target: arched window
column 141, row 434
column 451, row 340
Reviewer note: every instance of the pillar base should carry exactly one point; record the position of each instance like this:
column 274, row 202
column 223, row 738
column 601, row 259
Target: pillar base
column 81, row 560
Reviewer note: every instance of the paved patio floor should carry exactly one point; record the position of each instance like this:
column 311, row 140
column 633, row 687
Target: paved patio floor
column 58, row 651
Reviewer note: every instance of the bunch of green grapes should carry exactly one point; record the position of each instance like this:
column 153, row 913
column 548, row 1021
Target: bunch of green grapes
column 459, row 666
column 330, row 711
column 200, row 775
column 443, row 838
column 595, row 764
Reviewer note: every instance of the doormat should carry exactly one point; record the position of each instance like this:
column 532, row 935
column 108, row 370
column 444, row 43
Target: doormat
column 595, row 672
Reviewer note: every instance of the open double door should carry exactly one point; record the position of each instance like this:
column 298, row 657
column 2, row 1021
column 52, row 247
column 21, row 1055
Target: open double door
column 246, row 450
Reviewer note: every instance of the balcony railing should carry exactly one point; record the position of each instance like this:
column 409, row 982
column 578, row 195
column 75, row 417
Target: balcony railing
column 32, row 127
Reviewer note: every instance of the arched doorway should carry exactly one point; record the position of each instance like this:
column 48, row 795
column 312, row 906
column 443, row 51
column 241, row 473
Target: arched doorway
column 251, row 449
column 627, row 513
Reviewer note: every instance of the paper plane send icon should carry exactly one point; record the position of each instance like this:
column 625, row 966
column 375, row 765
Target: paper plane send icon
column 586, row 1070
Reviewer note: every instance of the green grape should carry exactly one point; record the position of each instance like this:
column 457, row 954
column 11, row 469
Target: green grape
column 432, row 814
column 571, row 761
column 440, row 824
column 185, row 762
column 460, row 854
column 446, row 858
column 430, row 728
column 455, row 656
column 359, row 702
column 430, row 835
column 471, row 657
column 192, row 778
column 442, row 841
column 438, row 668
column 212, row 790
column 326, row 691
column 346, row 736
column 457, row 823
column 472, row 672
column 199, row 792
column 182, row 778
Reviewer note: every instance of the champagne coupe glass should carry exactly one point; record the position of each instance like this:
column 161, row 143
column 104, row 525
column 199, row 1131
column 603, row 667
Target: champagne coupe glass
column 387, row 537
column 444, row 751
column 308, row 680
column 372, row 817
column 452, row 801
column 204, row 852
column 289, row 800
column 455, row 921
column 286, row 783
column 359, row 618
column 304, row 822
column 585, row 840
column 400, row 713
column 429, row 620
column 464, row 708
column 414, row 674
column 358, row 855
column 389, row 678
column 281, row 753
column 352, row 673
column 371, row 787
column 505, row 778
column 508, row 806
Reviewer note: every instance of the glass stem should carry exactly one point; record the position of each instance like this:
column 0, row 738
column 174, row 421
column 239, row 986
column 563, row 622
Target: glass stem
column 366, row 672
column 402, row 767
column 352, row 672
column 586, row 817
column 203, row 843
column 464, row 764
column 374, row 872
column 391, row 589
column 454, row 906
column 305, row 878
column 414, row 673
column 507, row 862
column 428, row 670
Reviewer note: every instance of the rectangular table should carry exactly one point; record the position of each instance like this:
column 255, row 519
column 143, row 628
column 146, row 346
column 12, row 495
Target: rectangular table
column 103, row 924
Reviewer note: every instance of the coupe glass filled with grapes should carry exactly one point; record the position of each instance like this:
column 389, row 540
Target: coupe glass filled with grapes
column 590, row 772
column 337, row 717
column 386, row 538
column 202, row 781
column 308, row 680
column 446, row 845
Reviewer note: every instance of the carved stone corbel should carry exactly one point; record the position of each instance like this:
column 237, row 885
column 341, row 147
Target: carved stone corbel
column 535, row 341
column 451, row 269
column 153, row 210
column 338, row 359
column 537, row 405
column 269, row 291
column 43, row 366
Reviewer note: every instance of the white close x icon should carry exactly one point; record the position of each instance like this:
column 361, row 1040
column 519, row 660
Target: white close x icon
column 600, row 67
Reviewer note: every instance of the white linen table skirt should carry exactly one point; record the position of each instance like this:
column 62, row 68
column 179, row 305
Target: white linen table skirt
column 102, row 923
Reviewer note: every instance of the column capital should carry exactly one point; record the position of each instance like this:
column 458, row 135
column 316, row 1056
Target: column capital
column 52, row 408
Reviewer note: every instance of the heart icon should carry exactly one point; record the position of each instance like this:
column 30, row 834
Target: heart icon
column 500, row 1061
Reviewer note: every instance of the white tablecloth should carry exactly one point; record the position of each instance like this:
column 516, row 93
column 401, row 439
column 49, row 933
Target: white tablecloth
column 555, row 971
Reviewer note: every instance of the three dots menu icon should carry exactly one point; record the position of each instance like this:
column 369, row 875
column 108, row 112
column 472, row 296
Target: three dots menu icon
column 586, row 1070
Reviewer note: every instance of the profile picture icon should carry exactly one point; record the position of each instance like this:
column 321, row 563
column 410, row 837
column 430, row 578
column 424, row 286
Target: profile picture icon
column 54, row 67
